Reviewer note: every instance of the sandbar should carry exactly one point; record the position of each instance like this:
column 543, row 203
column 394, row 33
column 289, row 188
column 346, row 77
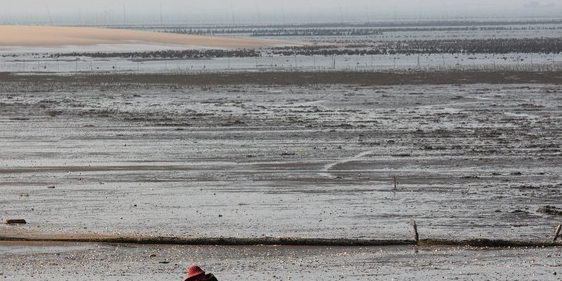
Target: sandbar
column 57, row 36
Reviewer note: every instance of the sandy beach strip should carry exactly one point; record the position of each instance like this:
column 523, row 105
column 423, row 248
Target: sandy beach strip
column 49, row 36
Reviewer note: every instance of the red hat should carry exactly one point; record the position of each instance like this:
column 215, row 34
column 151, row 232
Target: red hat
column 194, row 271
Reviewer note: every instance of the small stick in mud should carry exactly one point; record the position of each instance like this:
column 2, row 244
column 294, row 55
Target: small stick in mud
column 416, row 235
column 557, row 232
column 395, row 185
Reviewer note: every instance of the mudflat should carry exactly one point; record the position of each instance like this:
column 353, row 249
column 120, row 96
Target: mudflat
column 56, row 261
column 189, row 156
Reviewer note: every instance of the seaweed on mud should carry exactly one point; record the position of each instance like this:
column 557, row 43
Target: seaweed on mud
column 527, row 187
column 550, row 210
column 54, row 113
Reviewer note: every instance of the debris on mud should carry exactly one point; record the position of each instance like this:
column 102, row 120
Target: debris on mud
column 550, row 210
column 14, row 221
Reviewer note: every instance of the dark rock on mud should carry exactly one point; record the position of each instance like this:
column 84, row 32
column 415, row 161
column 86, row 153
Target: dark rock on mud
column 14, row 221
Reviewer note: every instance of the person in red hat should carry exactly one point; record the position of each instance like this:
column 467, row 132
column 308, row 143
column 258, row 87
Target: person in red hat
column 195, row 273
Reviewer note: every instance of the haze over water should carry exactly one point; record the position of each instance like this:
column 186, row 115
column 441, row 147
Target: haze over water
column 129, row 12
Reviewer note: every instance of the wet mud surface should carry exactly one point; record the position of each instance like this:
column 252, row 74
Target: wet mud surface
column 118, row 262
column 251, row 161
column 472, row 160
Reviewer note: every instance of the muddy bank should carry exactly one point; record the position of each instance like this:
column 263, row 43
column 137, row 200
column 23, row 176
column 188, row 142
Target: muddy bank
column 278, row 241
column 304, row 78
column 222, row 241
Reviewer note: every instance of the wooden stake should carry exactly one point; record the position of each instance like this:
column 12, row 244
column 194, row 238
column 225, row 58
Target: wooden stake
column 416, row 235
column 395, row 183
column 557, row 232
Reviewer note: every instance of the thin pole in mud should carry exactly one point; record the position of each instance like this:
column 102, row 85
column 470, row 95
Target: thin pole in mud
column 395, row 184
column 415, row 229
column 557, row 232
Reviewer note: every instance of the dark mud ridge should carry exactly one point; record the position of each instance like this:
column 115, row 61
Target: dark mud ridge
column 225, row 241
column 302, row 78
column 283, row 241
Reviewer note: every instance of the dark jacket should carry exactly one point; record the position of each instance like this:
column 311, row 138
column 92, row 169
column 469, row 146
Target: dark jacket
column 207, row 277
column 210, row 277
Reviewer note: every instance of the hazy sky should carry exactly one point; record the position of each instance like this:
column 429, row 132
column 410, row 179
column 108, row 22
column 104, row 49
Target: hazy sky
column 67, row 6
column 114, row 11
